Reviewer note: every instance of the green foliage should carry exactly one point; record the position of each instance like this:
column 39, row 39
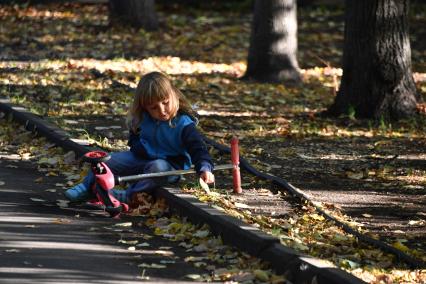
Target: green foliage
column 351, row 112
column 383, row 124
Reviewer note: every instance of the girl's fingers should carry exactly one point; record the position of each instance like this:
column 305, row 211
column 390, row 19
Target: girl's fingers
column 208, row 177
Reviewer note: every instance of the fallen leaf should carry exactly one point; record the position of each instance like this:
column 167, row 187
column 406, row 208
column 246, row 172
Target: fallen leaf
column 126, row 224
column 37, row 199
column 193, row 276
column 163, row 252
column 39, row 180
column 130, row 242
column 62, row 203
column 204, row 186
column 400, row 246
column 349, row 263
column 244, row 277
column 261, row 275
column 165, row 248
column 201, row 234
column 200, row 248
column 241, row 205
column 354, row 175
column 416, row 222
column 12, row 250
column 195, row 258
column 200, row 264
column 152, row 265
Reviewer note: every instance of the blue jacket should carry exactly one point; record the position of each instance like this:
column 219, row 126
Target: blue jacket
column 180, row 143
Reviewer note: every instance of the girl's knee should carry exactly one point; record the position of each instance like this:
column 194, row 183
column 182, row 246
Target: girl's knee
column 158, row 166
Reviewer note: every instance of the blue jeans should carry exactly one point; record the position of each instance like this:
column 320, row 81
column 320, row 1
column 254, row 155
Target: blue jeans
column 126, row 163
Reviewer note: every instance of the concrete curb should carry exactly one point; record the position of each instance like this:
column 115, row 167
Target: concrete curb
column 35, row 123
column 296, row 267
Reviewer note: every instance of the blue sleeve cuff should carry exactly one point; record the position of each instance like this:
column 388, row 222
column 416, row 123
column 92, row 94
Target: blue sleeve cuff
column 205, row 167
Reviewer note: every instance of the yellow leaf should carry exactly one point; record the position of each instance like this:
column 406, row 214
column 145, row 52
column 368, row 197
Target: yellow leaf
column 261, row 275
column 204, row 198
column 317, row 217
column 174, row 226
column 158, row 231
column 400, row 246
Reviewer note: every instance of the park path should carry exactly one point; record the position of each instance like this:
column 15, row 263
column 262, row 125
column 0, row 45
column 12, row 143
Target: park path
column 41, row 242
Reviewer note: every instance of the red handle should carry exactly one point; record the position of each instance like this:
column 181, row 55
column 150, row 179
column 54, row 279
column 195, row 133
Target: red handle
column 235, row 157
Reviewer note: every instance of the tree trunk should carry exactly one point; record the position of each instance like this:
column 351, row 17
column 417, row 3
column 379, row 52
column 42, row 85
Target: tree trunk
column 377, row 79
column 137, row 13
column 273, row 42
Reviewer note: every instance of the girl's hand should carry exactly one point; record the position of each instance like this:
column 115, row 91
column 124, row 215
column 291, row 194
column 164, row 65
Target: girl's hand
column 208, row 177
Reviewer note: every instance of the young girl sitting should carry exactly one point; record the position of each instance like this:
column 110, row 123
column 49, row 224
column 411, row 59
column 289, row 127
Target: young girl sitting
column 163, row 137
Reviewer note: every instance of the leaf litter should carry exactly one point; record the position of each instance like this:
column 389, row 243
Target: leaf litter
column 303, row 229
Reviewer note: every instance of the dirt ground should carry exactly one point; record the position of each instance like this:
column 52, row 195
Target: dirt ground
column 372, row 180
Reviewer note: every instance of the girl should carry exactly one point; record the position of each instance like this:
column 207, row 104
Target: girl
column 163, row 137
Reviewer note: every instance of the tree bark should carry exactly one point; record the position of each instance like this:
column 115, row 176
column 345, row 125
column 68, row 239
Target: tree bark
column 377, row 79
column 137, row 13
column 273, row 42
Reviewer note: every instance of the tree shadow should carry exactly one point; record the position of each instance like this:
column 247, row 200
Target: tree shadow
column 45, row 243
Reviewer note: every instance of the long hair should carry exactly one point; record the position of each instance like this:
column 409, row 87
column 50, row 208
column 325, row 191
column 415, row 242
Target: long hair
column 154, row 87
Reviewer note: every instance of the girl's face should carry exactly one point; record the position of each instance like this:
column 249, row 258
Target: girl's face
column 160, row 110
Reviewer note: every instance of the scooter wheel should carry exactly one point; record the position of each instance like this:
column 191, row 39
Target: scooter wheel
column 96, row 157
column 125, row 207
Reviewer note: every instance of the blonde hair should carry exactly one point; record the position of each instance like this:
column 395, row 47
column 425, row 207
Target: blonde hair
column 154, row 87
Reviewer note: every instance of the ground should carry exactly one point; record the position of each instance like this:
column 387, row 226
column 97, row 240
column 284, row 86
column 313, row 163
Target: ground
column 65, row 63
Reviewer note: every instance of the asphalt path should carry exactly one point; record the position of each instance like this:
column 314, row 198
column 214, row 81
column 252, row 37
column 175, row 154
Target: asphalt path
column 41, row 242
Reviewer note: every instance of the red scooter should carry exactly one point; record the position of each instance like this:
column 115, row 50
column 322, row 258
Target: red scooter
column 104, row 182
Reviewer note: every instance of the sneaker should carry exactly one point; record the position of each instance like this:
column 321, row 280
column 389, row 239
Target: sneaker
column 95, row 204
column 77, row 193
column 120, row 195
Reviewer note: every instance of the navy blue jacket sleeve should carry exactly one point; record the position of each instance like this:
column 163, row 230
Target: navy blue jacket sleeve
column 194, row 144
column 136, row 146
